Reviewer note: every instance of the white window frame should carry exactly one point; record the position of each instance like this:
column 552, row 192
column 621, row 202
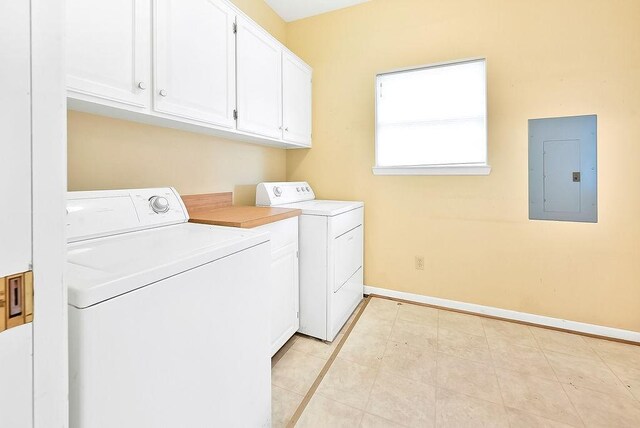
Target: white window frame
column 451, row 169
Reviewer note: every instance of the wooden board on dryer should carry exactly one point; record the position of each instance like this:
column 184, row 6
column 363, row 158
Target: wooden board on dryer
column 207, row 201
column 216, row 209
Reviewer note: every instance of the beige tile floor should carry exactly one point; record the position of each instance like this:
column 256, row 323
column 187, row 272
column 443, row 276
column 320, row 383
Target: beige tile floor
column 406, row 365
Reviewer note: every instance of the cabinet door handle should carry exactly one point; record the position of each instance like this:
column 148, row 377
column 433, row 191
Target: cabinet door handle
column 286, row 129
column 163, row 93
column 142, row 86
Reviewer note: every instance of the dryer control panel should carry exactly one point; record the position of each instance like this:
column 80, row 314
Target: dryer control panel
column 109, row 212
column 278, row 193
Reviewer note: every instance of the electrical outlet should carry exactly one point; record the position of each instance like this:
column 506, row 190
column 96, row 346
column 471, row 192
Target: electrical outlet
column 420, row 262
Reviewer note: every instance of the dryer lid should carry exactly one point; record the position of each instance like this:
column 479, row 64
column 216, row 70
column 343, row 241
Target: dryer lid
column 324, row 207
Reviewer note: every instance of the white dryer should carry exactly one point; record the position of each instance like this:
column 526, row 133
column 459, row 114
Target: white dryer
column 167, row 324
column 331, row 255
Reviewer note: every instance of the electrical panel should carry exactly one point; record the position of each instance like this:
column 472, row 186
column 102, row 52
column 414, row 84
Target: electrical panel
column 563, row 180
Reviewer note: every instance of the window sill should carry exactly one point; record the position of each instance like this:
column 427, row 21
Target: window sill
column 433, row 170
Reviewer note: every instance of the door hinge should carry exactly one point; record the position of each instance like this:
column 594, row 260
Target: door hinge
column 235, row 115
column 297, row 254
column 235, row 28
column 298, row 315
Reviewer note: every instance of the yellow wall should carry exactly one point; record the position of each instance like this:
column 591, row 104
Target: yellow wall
column 260, row 12
column 545, row 58
column 106, row 153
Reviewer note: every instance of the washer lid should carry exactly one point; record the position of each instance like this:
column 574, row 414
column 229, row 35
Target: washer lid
column 103, row 268
column 324, row 207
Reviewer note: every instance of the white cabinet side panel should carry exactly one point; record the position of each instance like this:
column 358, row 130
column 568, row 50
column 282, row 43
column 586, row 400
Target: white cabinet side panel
column 285, row 280
column 284, row 295
column 313, row 275
column 283, row 233
column 15, row 389
column 15, row 137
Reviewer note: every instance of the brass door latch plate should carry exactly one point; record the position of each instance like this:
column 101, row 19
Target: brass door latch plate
column 16, row 300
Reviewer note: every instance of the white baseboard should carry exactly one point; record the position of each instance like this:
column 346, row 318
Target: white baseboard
column 579, row 327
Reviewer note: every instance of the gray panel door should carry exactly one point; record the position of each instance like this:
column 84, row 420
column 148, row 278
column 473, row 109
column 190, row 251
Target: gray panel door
column 563, row 169
column 561, row 159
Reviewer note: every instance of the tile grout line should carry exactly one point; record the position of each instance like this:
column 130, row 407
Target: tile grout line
column 624, row 384
column 307, row 398
column 563, row 384
column 379, row 369
column 495, row 372
column 573, row 406
column 602, row 360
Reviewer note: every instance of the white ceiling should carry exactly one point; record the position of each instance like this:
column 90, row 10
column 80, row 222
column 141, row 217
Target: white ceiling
column 291, row 10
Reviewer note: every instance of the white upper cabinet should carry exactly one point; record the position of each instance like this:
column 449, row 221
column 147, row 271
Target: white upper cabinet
column 108, row 51
column 296, row 100
column 259, row 81
column 179, row 63
column 194, row 60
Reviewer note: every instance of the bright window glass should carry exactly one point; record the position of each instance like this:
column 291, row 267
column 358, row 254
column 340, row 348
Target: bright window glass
column 433, row 115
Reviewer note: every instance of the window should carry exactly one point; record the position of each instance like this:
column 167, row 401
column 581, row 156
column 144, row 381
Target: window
column 432, row 120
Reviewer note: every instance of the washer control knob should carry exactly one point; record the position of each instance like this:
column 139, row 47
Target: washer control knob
column 297, row 189
column 308, row 190
column 159, row 204
column 277, row 190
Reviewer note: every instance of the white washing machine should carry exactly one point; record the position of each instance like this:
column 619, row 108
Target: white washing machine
column 167, row 321
column 331, row 255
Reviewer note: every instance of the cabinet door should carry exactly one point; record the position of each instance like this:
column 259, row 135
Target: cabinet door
column 194, row 61
column 108, row 50
column 296, row 100
column 284, row 295
column 259, row 71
